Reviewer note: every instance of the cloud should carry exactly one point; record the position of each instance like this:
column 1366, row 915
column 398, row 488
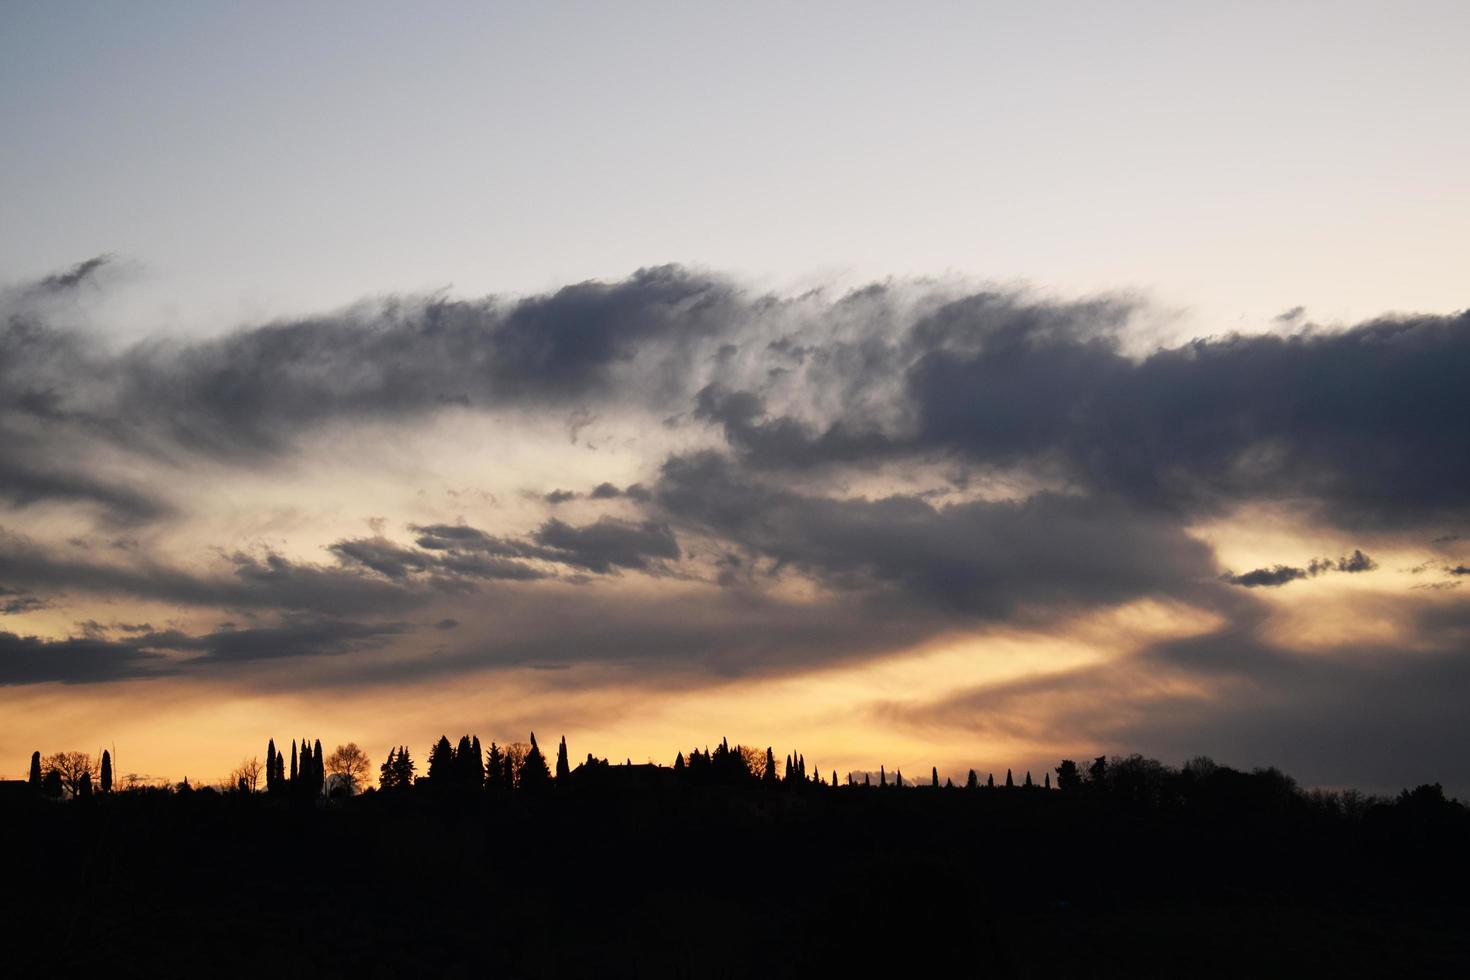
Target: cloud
column 242, row 581
column 75, row 276
column 295, row 636
column 987, row 559
column 1270, row 577
column 1378, row 717
column 609, row 543
column 94, row 658
column 14, row 602
column 77, row 660
column 1279, row 575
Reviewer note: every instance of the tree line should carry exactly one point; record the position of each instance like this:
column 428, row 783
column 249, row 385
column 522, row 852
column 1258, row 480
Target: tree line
column 466, row 768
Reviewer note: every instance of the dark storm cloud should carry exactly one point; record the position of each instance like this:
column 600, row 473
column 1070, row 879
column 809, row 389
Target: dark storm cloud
column 559, row 497
column 295, row 636
column 13, row 602
column 75, row 276
column 1270, row 577
column 94, row 657
column 249, row 392
column 382, row 556
column 246, row 581
column 1278, row 575
column 77, row 660
column 603, row 546
column 982, row 558
column 1363, row 423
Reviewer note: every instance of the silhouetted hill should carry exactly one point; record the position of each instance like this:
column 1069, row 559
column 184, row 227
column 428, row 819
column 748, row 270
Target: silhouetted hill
column 635, row 871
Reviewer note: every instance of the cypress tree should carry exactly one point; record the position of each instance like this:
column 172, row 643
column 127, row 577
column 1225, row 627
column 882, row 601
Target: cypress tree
column 867, row 780
column 1028, row 779
column 84, row 785
column 834, row 778
column 318, row 768
column 679, row 762
column 106, row 771
column 934, row 776
column 973, row 782
column 769, row 776
column 948, row 783
column 35, row 777
column 534, row 774
column 898, row 779
column 990, row 781
column 882, row 776
column 563, row 767
column 270, row 766
column 1046, row 780
column 293, row 761
column 1010, row 783
column 388, row 772
column 441, row 762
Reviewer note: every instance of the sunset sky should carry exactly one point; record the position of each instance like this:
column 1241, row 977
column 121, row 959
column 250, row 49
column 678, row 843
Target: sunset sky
column 964, row 386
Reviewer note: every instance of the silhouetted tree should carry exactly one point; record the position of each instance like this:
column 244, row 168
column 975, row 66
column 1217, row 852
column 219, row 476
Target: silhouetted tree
column 534, row 774
column 469, row 767
column 270, row 766
column 350, row 765
column 72, row 766
column 990, row 780
column 403, row 769
column 106, row 780
column 35, row 776
column 678, row 761
column 388, row 772
column 441, row 763
column 1010, row 783
column 563, row 767
column 973, row 781
column 1069, row 777
column 769, row 776
column 495, row 769
column 882, row 776
column 1027, row 783
column 934, row 777
column 294, row 772
column 834, row 777
column 51, row 784
column 84, row 784
column 948, row 783
column 898, row 778
column 867, row 779
column 1046, row 780
column 1098, row 772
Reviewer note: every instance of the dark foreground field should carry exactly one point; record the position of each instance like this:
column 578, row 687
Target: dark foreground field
column 1244, row 879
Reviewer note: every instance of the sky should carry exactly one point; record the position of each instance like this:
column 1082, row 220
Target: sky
column 967, row 386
